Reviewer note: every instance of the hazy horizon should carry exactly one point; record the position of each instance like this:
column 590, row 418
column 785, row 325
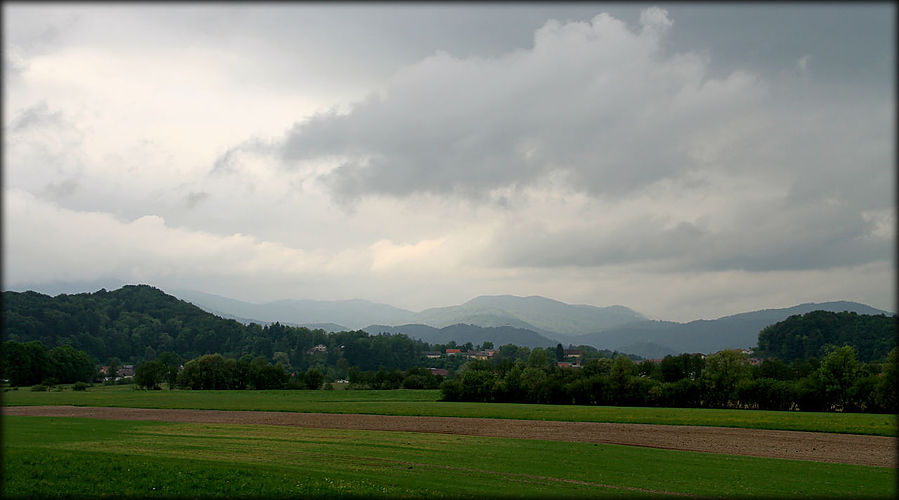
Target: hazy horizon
column 684, row 160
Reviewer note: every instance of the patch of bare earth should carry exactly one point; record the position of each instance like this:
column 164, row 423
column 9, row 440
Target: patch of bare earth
column 878, row 451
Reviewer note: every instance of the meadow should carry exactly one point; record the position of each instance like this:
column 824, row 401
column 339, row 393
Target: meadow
column 60, row 457
column 426, row 403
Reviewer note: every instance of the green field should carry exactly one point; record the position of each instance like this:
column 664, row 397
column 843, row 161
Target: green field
column 44, row 456
column 424, row 402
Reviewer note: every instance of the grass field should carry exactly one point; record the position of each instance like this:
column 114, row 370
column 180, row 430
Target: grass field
column 50, row 457
column 426, row 403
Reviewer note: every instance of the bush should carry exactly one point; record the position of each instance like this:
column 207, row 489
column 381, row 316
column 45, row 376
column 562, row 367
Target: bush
column 80, row 386
column 451, row 390
column 295, row 383
column 39, row 388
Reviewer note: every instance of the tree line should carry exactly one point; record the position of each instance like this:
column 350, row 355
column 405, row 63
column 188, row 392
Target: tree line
column 30, row 363
column 837, row 382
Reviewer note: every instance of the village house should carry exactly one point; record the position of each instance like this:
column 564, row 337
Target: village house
column 317, row 348
column 573, row 353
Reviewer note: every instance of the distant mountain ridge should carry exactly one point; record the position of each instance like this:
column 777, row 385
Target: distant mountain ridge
column 538, row 320
column 353, row 313
column 540, row 314
column 462, row 333
column 544, row 316
column 527, row 321
column 707, row 336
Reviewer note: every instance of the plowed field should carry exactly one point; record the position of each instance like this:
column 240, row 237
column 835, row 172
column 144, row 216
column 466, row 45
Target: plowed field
column 813, row 446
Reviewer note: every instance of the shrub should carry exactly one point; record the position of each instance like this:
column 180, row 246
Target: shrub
column 39, row 388
column 80, row 386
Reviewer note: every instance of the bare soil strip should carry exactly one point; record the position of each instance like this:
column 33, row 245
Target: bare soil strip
column 879, row 451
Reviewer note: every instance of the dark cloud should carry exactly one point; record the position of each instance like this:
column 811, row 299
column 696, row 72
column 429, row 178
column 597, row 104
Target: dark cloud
column 37, row 115
column 590, row 99
column 775, row 238
column 194, row 198
column 229, row 161
column 62, row 188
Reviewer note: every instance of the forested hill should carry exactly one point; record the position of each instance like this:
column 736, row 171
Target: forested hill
column 124, row 323
column 137, row 322
column 809, row 335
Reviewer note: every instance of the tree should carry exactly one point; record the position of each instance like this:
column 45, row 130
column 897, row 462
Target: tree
column 172, row 363
column 885, row 392
column 69, row 365
column 723, row 372
column 839, row 371
column 24, row 364
column 113, row 369
column 537, row 358
column 149, row 374
column 314, row 379
column 622, row 371
column 560, row 352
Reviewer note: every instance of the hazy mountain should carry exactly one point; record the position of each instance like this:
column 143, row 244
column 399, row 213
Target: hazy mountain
column 328, row 327
column 354, row 313
column 647, row 350
column 55, row 288
column 706, row 336
column 461, row 334
column 546, row 316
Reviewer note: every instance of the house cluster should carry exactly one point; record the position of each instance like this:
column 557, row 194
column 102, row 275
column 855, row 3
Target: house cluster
column 122, row 372
column 318, row 348
column 571, row 358
column 485, row 354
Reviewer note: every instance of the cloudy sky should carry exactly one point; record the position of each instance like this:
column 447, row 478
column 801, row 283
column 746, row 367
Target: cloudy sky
column 686, row 160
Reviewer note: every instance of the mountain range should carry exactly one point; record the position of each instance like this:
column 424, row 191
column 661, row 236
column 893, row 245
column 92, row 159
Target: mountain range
column 528, row 321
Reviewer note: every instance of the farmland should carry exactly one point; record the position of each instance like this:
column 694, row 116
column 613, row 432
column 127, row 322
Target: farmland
column 46, row 456
column 426, row 403
column 56, row 456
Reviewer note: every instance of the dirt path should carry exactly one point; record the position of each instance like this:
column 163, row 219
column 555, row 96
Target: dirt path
column 878, row 451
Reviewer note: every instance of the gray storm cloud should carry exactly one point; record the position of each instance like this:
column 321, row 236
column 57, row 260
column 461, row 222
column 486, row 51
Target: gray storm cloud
column 594, row 100
column 612, row 112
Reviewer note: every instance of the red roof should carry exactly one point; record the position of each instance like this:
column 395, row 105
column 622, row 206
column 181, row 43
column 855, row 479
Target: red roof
column 452, row 350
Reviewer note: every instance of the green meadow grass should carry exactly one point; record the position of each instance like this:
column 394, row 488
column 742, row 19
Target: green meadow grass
column 426, row 403
column 54, row 457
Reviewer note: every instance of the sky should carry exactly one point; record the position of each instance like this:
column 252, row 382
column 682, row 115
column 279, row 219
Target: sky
column 687, row 161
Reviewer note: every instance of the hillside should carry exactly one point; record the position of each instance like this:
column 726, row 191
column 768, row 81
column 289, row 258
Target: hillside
column 810, row 334
column 124, row 323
